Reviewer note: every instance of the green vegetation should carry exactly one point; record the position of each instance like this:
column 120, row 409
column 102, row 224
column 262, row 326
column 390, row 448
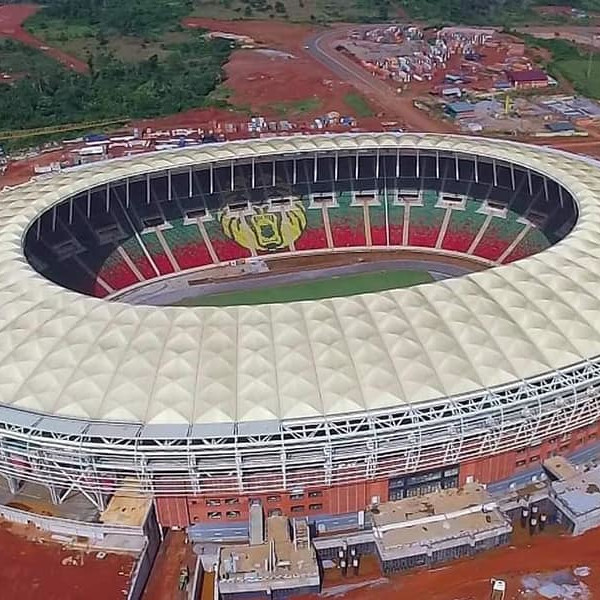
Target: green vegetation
column 570, row 63
column 110, row 17
column 297, row 107
column 485, row 12
column 360, row 107
column 51, row 95
column 344, row 285
column 66, row 19
column 18, row 59
column 311, row 11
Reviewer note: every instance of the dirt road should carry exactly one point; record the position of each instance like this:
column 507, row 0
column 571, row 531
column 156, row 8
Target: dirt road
column 322, row 47
column 12, row 17
column 173, row 555
column 584, row 36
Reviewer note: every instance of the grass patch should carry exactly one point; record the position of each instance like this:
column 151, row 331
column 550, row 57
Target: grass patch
column 331, row 287
column 57, row 31
column 360, row 107
column 221, row 96
column 570, row 63
column 297, row 107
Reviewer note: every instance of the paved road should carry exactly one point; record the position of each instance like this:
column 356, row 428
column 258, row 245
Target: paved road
column 322, row 48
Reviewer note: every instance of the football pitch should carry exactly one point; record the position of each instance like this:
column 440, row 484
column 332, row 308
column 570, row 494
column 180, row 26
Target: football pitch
column 315, row 289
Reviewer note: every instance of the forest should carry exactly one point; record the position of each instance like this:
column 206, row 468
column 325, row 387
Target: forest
column 49, row 94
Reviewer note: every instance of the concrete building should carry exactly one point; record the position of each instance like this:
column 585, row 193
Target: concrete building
column 422, row 531
column 576, row 495
column 282, row 564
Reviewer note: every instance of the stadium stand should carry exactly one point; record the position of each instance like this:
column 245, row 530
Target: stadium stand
column 347, row 222
column 187, row 244
column 425, row 220
column 465, row 223
column 314, row 236
column 110, row 239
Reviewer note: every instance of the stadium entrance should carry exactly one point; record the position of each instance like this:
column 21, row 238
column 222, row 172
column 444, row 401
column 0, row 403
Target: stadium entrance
column 421, row 483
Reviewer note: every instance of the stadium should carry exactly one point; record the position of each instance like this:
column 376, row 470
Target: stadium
column 144, row 346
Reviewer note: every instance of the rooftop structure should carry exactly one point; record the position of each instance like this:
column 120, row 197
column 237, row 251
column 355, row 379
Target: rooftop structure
column 528, row 78
column 561, row 127
column 422, row 528
column 559, row 468
column 577, row 498
column 461, row 109
column 283, row 562
column 125, row 508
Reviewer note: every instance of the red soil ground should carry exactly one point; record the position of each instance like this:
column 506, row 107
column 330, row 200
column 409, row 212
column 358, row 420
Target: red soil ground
column 12, row 16
column 31, row 570
column 470, row 579
column 20, row 171
column 262, row 81
column 174, row 554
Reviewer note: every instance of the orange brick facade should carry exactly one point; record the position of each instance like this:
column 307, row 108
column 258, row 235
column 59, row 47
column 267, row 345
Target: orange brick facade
column 183, row 511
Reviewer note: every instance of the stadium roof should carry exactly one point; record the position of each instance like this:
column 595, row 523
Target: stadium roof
column 62, row 353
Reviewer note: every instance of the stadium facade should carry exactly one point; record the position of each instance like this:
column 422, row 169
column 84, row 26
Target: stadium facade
column 313, row 408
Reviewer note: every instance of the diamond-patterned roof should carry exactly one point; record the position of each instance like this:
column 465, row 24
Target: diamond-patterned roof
column 69, row 355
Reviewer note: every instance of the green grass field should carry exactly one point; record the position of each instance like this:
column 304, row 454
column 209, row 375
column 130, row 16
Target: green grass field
column 358, row 104
column 343, row 285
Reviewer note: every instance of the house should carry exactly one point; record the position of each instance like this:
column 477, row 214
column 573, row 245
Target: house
column 461, row 110
column 529, row 79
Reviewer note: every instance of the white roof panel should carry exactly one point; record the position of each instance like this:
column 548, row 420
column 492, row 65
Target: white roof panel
column 68, row 355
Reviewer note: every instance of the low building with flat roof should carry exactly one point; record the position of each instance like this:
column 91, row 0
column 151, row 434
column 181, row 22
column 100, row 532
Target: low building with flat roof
column 438, row 527
column 285, row 564
column 577, row 499
column 460, row 110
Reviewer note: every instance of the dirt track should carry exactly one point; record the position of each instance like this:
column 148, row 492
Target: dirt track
column 12, row 17
column 173, row 555
column 584, row 36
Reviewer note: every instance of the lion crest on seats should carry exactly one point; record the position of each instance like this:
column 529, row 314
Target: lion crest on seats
column 264, row 228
